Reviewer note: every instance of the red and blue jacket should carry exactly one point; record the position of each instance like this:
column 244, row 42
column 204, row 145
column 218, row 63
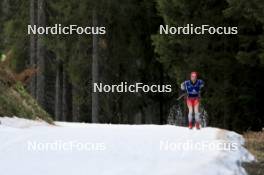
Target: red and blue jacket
column 193, row 90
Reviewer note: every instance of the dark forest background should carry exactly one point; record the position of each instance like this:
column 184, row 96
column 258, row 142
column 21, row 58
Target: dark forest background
column 133, row 51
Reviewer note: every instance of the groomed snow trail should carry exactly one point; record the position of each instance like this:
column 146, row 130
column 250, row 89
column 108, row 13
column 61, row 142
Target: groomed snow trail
column 36, row 148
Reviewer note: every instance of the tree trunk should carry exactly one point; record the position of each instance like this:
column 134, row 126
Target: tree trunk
column 161, row 100
column 75, row 104
column 58, row 91
column 67, row 98
column 33, row 45
column 41, row 56
column 5, row 8
column 95, row 71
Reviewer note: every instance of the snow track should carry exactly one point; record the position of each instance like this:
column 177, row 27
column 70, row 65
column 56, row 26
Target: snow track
column 99, row 149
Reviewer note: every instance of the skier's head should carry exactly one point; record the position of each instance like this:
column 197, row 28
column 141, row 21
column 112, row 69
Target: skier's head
column 194, row 76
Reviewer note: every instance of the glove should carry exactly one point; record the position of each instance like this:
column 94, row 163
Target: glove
column 183, row 87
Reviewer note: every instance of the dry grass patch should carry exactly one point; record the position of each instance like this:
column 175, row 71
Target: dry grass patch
column 255, row 144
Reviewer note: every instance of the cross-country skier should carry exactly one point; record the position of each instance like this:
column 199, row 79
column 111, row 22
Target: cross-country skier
column 193, row 89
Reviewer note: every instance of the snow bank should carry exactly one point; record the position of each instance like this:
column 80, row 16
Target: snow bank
column 20, row 122
column 98, row 149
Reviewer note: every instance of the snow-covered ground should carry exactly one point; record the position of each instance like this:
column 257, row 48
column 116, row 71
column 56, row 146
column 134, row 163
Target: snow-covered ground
column 36, row 148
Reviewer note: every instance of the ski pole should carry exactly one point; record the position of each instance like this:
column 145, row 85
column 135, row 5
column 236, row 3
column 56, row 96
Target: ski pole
column 180, row 97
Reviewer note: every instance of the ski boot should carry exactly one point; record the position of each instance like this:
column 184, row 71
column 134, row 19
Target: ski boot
column 190, row 125
column 197, row 125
